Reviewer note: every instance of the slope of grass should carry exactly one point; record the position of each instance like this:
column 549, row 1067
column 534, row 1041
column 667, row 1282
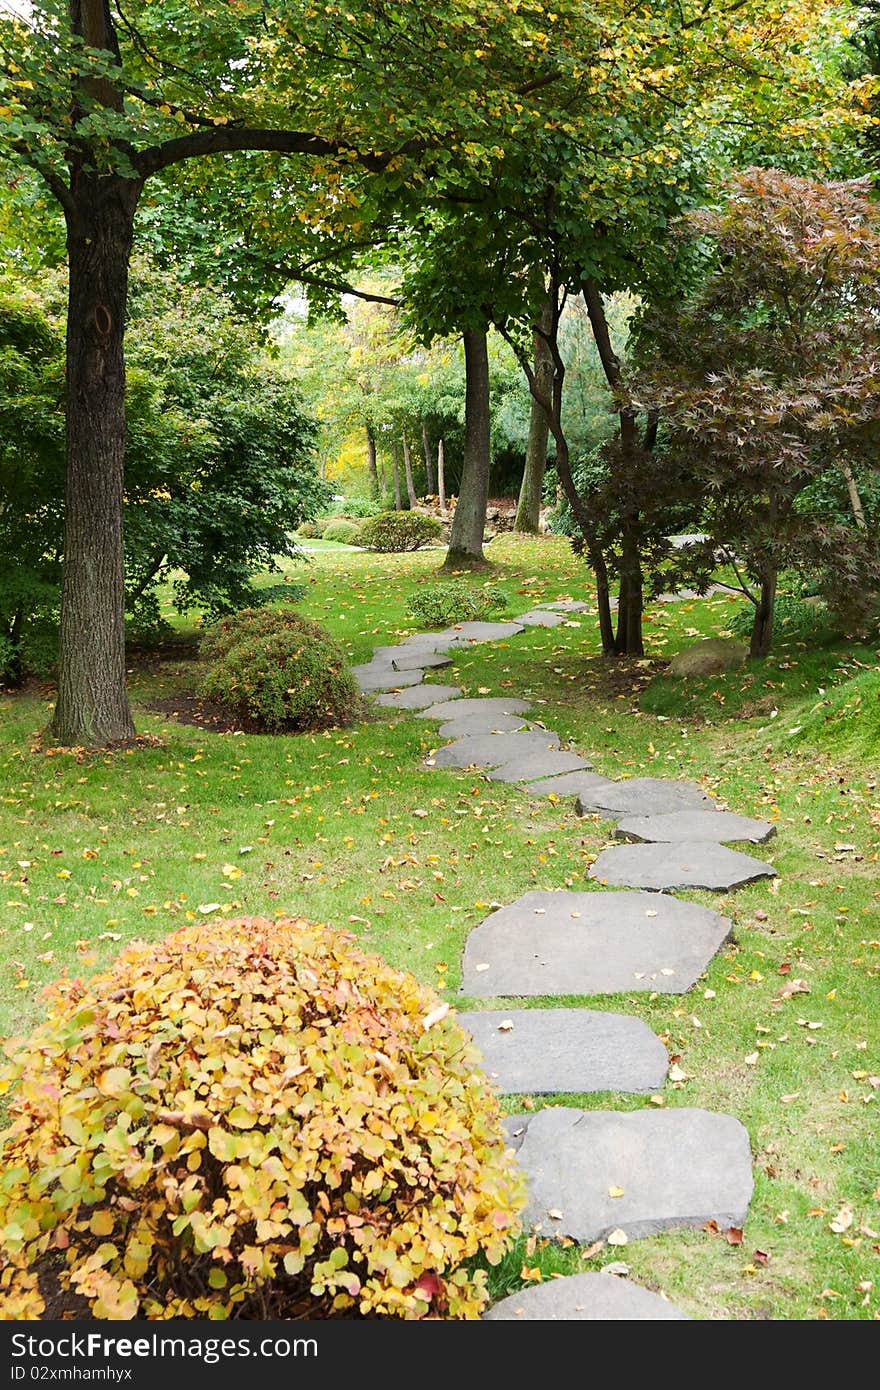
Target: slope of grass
column 349, row 827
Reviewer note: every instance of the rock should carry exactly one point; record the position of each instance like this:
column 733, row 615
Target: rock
column 459, row 709
column 491, row 750
column 536, row 618
column 672, row 1168
column 566, row 605
column 686, row 864
column 591, row 943
column 418, row 697
column 379, row 676
column 410, row 661
column 580, row 783
column 709, row 658
column 646, row 796
column 544, row 1051
column 531, row 766
column 484, row 724
column 465, row 633
column 584, row 1298
column 717, row 826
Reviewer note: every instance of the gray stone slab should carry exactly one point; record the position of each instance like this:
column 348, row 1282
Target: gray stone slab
column 538, row 618
column 688, row 864
column 566, row 605
column 674, row 1168
column 493, row 704
column 645, row 796
column 532, row 766
column 382, row 676
column 418, row 697
column 591, row 943
column 544, row 1051
column 491, row 750
column 410, row 661
column 467, row 633
column 585, row 1297
column 720, row 827
column 484, row 724
column 427, row 641
column 570, row 784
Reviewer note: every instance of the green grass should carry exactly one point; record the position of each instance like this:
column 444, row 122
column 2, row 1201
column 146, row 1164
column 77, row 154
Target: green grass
column 97, row 850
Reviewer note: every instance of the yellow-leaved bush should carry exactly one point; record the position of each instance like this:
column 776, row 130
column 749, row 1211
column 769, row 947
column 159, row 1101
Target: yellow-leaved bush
column 250, row 1119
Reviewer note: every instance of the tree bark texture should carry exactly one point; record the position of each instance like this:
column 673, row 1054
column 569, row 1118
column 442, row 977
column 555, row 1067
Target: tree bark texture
column 407, row 466
column 429, row 461
column 762, row 627
column 528, row 511
column 371, row 462
column 469, row 521
column 395, row 465
column 441, row 476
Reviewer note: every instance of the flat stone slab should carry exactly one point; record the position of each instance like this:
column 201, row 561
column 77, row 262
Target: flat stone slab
column 415, row 659
column 427, row 641
column 531, row 766
column 541, row 618
column 566, row 605
column 382, row 676
column 484, row 724
column 716, row 826
column 492, row 704
column 688, row 864
column 483, row 632
column 673, row 1168
column 579, row 783
column 418, row 697
column 544, row 1051
column 645, row 796
column 591, row 943
column 584, row 1298
column 491, row 750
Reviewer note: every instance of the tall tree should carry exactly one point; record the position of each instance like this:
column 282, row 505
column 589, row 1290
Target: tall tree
column 528, row 511
column 469, row 520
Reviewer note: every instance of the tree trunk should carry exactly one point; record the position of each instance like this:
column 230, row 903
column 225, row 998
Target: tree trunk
column 407, row 464
column 395, row 465
column 441, row 476
column 469, row 521
column 371, row 462
column 594, row 551
column 429, row 462
column 92, row 705
column 762, row 627
column 630, row 605
column 855, row 500
column 528, row 511
column 383, row 481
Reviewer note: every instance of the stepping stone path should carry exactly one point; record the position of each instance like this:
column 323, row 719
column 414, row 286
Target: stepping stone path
column 550, row 1050
column 584, row 1298
column 590, row 1172
column 717, row 826
column 591, row 943
column 686, row 864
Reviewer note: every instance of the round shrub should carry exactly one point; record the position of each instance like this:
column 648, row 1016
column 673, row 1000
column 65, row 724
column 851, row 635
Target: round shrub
column 399, row 531
column 343, row 532
column 283, row 678
column 453, row 602
column 219, row 639
column 250, row 1119
column 308, row 530
column 793, row 616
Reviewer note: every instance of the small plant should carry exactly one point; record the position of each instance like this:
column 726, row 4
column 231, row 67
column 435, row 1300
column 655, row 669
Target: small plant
column 250, row 1119
column 443, row 604
column 280, row 671
column 793, row 617
column 395, row 532
column 343, row 532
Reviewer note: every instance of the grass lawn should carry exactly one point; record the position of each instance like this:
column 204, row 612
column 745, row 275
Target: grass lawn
column 349, row 828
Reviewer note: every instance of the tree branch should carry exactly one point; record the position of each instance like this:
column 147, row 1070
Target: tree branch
column 224, row 139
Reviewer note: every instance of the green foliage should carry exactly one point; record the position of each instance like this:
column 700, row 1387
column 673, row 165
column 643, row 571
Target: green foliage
column 343, row 532
column 251, row 1118
column 794, row 617
column 308, row 530
column 454, row 602
column 279, row 671
column 395, row 532
column 356, row 507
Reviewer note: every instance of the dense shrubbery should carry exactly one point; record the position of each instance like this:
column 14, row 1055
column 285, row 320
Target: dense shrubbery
column 279, row 671
column 356, row 506
column 400, row 531
column 343, row 532
column 454, row 603
column 793, row 617
column 250, row 1119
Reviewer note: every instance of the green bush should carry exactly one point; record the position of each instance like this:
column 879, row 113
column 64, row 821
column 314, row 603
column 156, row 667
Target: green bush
column 793, row 617
column 308, row 530
column 395, row 532
column 357, row 506
column 343, row 532
column 251, row 1119
column 442, row 604
column 280, row 671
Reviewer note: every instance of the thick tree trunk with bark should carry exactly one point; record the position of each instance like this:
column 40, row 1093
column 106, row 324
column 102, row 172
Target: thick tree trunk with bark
column 395, row 466
column 441, row 476
column 469, row 522
column 92, row 705
column 762, row 627
column 429, row 462
column 528, row 511
column 371, row 462
column 630, row 604
column 407, row 464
